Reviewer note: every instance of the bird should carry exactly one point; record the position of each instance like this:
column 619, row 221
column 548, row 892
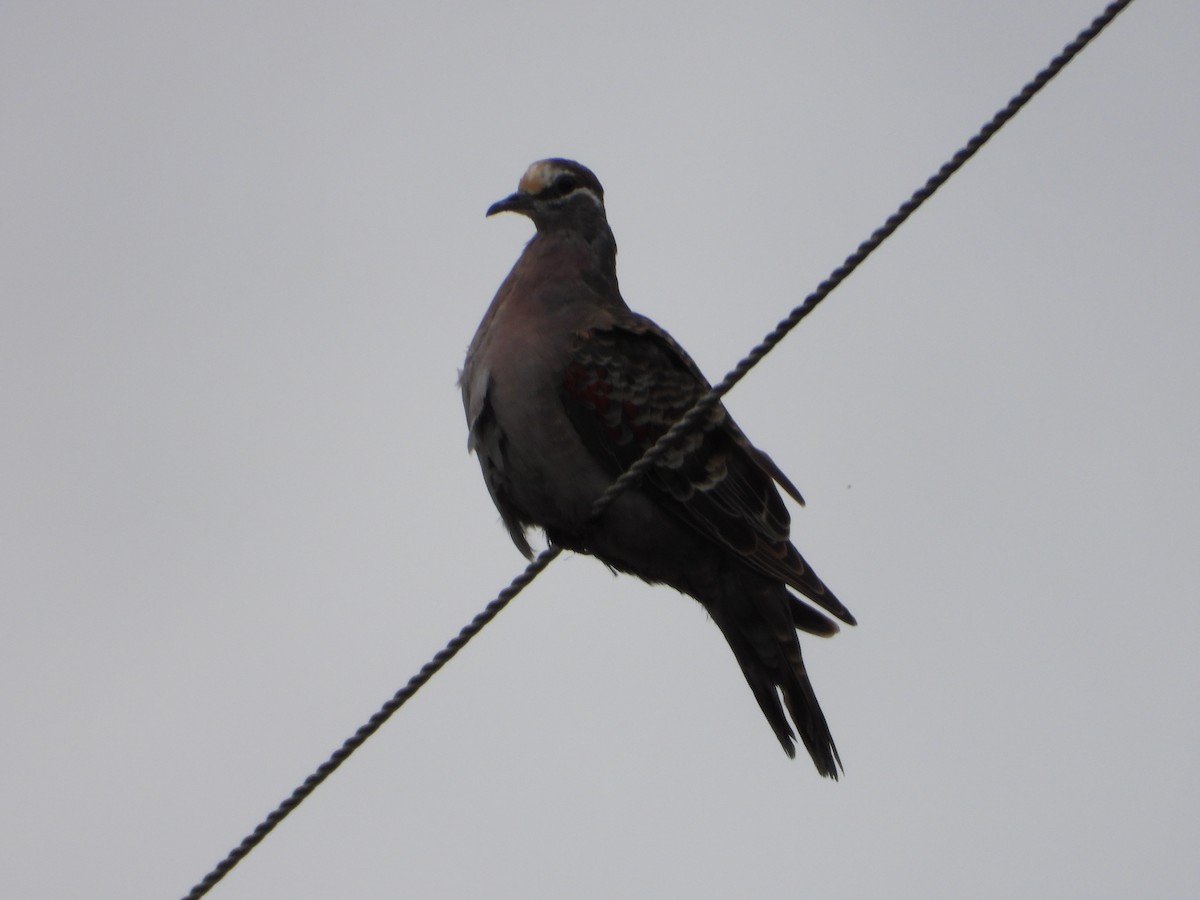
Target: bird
column 565, row 387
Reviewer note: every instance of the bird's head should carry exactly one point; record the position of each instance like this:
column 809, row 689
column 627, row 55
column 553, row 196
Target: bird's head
column 556, row 193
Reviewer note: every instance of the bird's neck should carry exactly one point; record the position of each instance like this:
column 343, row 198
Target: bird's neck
column 587, row 254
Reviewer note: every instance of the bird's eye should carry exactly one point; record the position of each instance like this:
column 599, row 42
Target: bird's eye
column 565, row 183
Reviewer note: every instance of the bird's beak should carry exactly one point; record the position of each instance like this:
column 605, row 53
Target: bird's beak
column 519, row 202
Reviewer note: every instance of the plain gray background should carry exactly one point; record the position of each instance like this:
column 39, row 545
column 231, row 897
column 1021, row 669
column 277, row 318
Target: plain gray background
column 243, row 251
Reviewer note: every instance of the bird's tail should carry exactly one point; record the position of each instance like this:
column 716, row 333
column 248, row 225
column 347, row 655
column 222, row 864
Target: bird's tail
column 760, row 626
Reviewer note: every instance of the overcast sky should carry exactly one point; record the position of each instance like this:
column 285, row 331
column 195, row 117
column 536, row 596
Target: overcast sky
column 242, row 252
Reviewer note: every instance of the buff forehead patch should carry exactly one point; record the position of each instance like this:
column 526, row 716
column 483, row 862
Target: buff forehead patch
column 539, row 176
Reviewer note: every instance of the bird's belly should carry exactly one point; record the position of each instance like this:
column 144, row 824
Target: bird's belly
column 552, row 478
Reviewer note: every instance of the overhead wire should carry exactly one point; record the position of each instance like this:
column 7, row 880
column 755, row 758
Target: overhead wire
column 688, row 422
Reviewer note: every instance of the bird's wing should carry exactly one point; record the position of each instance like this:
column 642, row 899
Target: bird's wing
column 627, row 384
column 486, row 440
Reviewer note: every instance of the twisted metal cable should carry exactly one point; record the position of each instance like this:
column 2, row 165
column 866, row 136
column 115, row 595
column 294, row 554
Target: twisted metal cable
column 691, row 420
column 327, row 768
column 694, row 416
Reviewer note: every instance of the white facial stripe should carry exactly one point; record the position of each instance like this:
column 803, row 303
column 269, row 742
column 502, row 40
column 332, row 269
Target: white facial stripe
column 590, row 193
column 540, row 176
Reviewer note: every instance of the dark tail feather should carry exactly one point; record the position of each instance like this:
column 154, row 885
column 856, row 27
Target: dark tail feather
column 802, row 577
column 805, row 618
column 806, row 712
column 761, row 632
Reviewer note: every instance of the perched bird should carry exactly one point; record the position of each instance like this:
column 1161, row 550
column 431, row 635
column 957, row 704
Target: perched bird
column 565, row 387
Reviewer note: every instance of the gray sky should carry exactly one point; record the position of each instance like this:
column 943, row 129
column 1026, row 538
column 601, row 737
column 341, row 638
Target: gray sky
column 243, row 251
